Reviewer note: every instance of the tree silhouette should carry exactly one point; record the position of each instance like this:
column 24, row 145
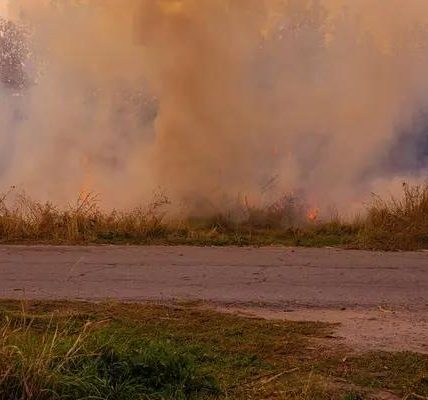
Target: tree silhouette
column 13, row 55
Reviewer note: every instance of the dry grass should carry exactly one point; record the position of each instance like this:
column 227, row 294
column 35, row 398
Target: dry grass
column 82, row 222
column 398, row 223
column 394, row 224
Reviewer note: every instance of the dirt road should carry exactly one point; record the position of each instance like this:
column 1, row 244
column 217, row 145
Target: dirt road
column 380, row 290
column 312, row 277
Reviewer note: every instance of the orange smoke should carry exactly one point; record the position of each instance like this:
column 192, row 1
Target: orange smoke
column 230, row 78
column 87, row 185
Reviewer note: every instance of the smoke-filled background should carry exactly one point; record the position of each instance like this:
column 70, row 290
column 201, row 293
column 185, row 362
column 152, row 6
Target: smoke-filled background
column 215, row 100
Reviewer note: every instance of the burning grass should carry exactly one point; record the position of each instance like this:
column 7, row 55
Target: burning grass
column 394, row 224
column 62, row 350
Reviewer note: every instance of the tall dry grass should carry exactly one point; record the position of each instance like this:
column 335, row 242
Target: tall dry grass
column 82, row 222
column 389, row 224
column 398, row 224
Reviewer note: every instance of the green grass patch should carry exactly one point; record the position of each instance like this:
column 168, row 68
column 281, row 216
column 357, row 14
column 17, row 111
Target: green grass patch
column 62, row 350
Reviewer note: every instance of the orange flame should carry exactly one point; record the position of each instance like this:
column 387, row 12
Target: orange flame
column 313, row 214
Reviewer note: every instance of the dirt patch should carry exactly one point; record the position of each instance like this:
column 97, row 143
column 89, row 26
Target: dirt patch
column 360, row 329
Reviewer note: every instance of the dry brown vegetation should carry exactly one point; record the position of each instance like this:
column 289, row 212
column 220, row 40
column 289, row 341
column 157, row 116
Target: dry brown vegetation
column 27, row 220
column 398, row 223
column 391, row 224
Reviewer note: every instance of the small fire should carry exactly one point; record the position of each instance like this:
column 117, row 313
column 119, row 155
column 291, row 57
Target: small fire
column 313, row 214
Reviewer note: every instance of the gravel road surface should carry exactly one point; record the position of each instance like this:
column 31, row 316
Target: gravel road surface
column 280, row 276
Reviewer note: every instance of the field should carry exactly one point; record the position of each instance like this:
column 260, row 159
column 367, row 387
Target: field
column 262, row 268
column 76, row 350
column 114, row 351
column 387, row 224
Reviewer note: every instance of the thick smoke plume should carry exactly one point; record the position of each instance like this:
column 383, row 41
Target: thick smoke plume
column 214, row 100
